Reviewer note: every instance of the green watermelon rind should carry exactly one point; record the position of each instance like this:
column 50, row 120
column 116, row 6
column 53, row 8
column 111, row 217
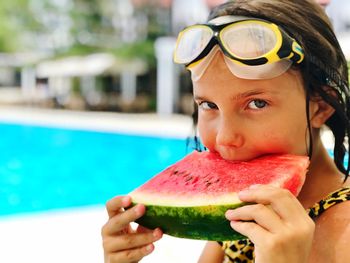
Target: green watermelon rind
column 196, row 222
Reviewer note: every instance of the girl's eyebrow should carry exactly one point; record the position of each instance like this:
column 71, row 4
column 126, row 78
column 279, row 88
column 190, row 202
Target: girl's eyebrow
column 197, row 97
column 254, row 93
column 241, row 95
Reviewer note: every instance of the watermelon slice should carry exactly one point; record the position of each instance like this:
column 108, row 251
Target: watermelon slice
column 189, row 198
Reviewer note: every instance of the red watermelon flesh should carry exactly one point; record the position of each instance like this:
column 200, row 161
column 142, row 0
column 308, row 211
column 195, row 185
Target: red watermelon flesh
column 202, row 186
column 201, row 175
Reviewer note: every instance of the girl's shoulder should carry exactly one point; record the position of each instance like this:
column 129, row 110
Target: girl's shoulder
column 336, row 213
column 332, row 234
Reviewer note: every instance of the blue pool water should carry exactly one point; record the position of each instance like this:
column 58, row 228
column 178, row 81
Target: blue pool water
column 50, row 168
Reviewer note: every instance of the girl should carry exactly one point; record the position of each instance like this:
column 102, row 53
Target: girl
column 267, row 76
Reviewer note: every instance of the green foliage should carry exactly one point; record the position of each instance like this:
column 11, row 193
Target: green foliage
column 96, row 20
column 93, row 27
column 17, row 19
column 87, row 16
column 142, row 49
column 78, row 50
column 159, row 20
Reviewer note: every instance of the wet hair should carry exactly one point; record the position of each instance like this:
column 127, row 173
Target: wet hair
column 324, row 69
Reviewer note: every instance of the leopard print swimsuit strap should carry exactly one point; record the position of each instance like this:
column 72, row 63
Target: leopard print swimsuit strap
column 332, row 199
column 242, row 251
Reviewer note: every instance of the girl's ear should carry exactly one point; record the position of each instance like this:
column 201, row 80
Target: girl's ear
column 320, row 112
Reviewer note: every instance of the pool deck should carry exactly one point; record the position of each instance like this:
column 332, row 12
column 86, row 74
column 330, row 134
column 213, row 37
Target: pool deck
column 73, row 235
column 178, row 126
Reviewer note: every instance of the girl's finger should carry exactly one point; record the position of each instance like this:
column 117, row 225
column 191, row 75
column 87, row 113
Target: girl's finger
column 131, row 255
column 131, row 241
column 115, row 205
column 281, row 200
column 122, row 220
column 261, row 214
column 141, row 229
column 253, row 231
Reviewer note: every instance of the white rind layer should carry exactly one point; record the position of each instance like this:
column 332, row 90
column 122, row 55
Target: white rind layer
column 184, row 201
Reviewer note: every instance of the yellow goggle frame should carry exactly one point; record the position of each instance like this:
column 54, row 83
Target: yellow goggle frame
column 213, row 33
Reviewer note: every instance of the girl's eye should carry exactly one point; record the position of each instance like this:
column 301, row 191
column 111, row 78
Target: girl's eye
column 205, row 105
column 257, row 104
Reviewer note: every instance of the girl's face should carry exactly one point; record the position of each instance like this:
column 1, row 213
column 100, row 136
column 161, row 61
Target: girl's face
column 243, row 119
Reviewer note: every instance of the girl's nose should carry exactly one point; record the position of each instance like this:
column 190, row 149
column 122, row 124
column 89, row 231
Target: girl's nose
column 230, row 133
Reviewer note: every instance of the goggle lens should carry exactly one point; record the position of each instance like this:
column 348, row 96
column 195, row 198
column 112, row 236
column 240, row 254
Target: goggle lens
column 248, row 41
column 191, row 43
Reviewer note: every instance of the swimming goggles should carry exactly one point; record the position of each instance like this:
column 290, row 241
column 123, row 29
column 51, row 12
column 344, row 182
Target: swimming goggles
column 253, row 48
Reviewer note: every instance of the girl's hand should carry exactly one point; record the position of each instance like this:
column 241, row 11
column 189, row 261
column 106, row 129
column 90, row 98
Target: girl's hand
column 121, row 243
column 277, row 224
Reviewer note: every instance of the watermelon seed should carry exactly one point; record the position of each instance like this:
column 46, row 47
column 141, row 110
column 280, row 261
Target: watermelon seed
column 182, row 173
column 189, row 178
column 208, row 184
column 186, row 174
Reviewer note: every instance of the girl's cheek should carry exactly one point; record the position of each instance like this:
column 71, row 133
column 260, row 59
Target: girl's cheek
column 271, row 142
column 207, row 143
column 206, row 134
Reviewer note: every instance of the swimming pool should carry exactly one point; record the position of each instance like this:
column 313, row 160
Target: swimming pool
column 45, row 168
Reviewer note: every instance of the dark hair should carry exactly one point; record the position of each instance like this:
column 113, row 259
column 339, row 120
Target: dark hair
column 324, row 69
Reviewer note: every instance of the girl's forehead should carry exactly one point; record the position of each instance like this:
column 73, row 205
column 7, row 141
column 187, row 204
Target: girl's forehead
column 282, row 86
column 218, row 73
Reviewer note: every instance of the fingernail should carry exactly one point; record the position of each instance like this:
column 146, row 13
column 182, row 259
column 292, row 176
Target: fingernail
column 228, row 214
column 139, row 210
column 254, row 186
column 126, row 201
column 149, row 248
column 157, row 233
column 243, row 193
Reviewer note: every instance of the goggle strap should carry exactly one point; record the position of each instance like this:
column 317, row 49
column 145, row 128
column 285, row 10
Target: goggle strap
column 332, row 77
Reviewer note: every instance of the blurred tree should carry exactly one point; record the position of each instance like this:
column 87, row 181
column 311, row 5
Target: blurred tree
column 119, row 27
column 53, row 33
column 16, row 18
column 155, row 21
column 77, row 27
